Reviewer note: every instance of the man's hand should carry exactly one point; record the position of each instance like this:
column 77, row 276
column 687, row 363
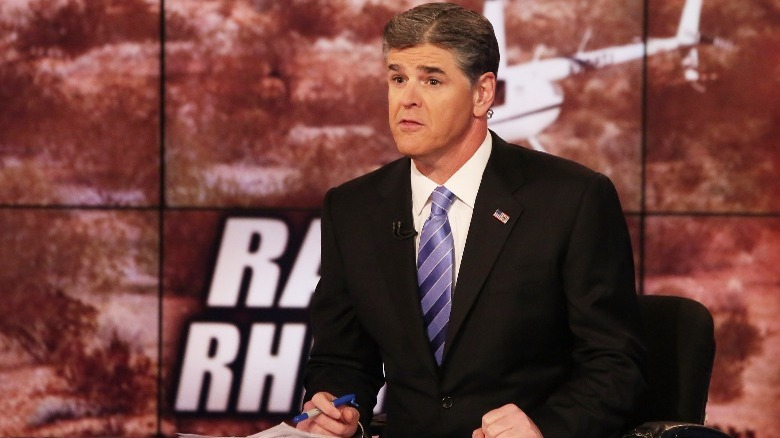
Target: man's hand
column 508, row 421
column 332, row 421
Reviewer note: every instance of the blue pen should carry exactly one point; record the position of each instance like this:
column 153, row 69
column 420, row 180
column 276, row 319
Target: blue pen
column 348, row 399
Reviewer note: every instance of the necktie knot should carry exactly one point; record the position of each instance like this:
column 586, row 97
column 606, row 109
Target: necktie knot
column 441, row 201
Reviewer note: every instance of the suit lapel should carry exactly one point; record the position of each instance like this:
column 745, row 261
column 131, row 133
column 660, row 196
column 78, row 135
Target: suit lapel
column 397, row 257
column 487, row 234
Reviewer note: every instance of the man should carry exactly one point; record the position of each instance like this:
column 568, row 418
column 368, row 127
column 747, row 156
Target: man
column 525, row 324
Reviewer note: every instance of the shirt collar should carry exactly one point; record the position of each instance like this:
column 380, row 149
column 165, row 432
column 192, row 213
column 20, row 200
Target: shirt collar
column 464, row 183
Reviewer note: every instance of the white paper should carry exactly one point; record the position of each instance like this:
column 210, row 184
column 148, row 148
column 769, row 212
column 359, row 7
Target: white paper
column 281, row 430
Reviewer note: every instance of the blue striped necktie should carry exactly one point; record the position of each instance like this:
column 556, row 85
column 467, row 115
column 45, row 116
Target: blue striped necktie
column 435, row 261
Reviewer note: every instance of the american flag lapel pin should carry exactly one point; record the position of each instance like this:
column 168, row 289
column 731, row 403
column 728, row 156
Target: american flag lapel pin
column 501, row 216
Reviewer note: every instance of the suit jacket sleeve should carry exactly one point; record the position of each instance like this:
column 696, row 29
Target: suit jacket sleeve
column 344, row 359
column 607, row 352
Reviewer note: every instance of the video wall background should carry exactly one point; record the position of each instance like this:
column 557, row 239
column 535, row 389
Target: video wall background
column 162, row 164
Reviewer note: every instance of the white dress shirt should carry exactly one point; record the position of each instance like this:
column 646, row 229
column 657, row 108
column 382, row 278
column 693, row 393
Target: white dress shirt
column 465, row 185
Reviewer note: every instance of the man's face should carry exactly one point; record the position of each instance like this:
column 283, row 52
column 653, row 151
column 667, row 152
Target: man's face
column 431, row 102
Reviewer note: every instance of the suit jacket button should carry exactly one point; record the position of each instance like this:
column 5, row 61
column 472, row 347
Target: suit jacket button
column 446, row 402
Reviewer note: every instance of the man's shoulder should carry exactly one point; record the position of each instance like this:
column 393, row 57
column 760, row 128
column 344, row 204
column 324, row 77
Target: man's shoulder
column 536, row 164
column 384, row 179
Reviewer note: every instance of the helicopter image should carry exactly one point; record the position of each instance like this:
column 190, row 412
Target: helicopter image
column 528, row 99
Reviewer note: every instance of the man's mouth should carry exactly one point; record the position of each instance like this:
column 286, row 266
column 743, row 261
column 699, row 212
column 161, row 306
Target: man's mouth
column 409, row 124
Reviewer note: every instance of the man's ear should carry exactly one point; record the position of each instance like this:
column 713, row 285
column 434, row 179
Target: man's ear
column 484, row 93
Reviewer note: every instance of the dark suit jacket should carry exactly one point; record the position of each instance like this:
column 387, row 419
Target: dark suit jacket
column 544, row 312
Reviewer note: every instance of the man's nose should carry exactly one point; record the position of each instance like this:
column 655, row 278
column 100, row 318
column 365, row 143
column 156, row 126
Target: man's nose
column 411, row 95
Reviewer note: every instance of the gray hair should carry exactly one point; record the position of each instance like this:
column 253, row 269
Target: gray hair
column 467, row 34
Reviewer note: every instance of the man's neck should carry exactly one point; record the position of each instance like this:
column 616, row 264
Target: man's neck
column 440, row 169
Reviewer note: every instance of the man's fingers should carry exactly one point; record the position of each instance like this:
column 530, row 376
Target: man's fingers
column 349, row 415
column 324, row 402
column 335, row 421
column 503, row 411
column 508, row 421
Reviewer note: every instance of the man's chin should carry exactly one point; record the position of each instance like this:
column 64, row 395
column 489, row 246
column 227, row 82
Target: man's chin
column 409, row 142
column 409, row 150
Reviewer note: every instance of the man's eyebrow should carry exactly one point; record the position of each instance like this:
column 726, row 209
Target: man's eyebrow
column 431, row 69
column 424, row 68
